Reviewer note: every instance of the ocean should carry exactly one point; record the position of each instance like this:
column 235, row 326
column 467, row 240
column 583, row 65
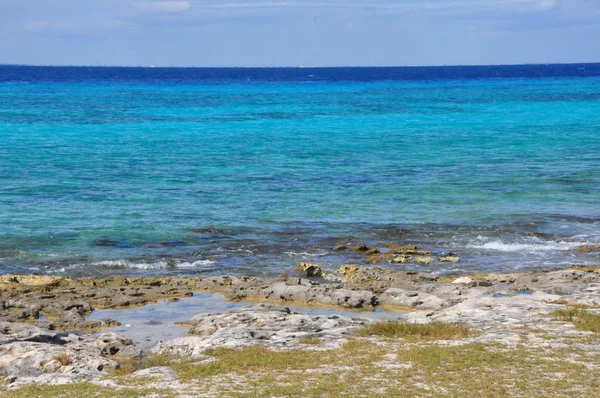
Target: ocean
column 197, row 171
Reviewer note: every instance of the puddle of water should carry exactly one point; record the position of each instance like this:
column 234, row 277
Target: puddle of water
column 148, row 324
column 526, row 291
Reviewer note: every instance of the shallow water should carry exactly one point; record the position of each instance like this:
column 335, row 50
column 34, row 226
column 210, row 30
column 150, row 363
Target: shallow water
column 148, row 324
column 112, row 171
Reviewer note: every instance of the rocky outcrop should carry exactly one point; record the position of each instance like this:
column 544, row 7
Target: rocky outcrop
column 67, row 302
column 378, row 279
column 413, row 298
column 32, row 354
column 290, row 289
column 267, row 325
column 310, row 270
column 364, row 249
column 588, row 248
column 448, row 258
column 498, row 306
column 394, row 253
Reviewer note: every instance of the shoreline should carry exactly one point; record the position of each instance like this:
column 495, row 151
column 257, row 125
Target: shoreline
column 219, row 311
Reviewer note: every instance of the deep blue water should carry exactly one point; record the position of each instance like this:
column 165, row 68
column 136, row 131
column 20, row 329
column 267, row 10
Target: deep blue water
column 121, row 170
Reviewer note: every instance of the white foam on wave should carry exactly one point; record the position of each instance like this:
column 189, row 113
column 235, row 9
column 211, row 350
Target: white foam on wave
column 196, row 264
column 306, row 254
column 239, row 250
column 154, row 265
column 498, row 245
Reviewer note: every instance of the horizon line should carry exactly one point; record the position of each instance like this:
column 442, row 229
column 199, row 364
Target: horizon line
column 293, row 66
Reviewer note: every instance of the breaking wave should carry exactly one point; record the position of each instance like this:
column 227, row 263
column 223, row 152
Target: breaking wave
column 154, row 265
column 499, row 246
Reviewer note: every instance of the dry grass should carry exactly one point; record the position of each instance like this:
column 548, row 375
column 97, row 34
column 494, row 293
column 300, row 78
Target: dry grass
column 80, row 390
column 361, row 368
column 127, row 368
column 571, row 304
column 64, row 359
column 310, row 341
column 434, row 330
column 480, row 371
column 582, row 319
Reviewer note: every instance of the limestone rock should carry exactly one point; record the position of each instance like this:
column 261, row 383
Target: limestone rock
column 413, row 298
column 588, row 248
column 262, row 324
column 401, row 259
column 463, row 280
column 31, row 354
column 449, row 258
column 425, row 260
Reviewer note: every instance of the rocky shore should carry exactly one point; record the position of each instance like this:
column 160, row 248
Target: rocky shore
column 45, row 337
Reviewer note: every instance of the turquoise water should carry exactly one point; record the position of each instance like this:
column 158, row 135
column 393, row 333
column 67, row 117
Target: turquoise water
column 102, row 178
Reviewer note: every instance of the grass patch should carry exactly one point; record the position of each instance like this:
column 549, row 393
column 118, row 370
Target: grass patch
column 582, row 319
column 310, row 341
column 127, row 368
column 64, row 359
column 361, row 368
column 254, row 359
column 434, row 330
column 79, row 390
column 494, row 372
column 364, row 369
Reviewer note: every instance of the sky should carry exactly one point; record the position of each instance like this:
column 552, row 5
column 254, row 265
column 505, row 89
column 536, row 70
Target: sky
column 298, row 32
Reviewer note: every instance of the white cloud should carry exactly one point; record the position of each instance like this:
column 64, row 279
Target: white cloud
column 547, row 4
column 539, row 4
column 165, row 6
column 256, row 5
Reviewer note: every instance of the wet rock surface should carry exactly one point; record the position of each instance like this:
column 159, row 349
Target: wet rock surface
column 67, row 302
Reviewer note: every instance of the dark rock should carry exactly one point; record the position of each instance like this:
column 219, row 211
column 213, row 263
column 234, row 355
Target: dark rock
column 309, row 270
column 208, row 230
column 364, row 249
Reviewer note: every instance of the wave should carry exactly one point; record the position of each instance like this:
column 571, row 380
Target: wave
column 154, row 265
column 306, row 254
column 498, row 245
column 196, row 264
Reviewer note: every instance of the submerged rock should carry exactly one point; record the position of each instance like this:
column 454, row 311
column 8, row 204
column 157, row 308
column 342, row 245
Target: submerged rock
column 268, row 325
column 208, row 230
